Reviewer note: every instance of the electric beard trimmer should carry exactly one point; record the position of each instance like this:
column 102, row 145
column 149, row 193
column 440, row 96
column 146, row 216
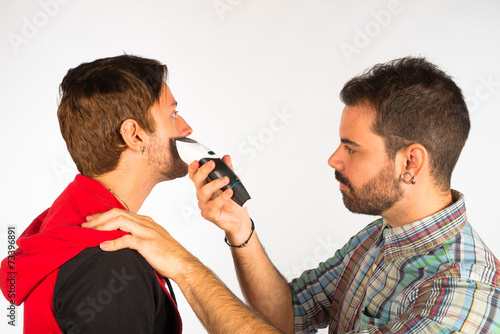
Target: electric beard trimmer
column 190, row 150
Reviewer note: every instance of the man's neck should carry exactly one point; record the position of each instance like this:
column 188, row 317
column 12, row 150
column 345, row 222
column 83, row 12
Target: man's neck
column 129, row 187
column 417, row 205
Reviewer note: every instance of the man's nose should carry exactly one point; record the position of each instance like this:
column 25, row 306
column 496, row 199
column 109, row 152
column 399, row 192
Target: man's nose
column 184, row 130
column 335, row 160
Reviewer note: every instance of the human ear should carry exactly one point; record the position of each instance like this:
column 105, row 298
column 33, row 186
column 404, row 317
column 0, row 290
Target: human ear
column 133, row 135
column 415, row 159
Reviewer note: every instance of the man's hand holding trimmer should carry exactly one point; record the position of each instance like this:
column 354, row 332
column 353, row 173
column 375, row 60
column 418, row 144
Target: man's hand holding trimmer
column 265, row 289
column 217, row 206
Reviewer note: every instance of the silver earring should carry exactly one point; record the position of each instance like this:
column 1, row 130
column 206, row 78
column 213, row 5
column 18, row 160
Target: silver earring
column 408, row 178
column 143, row 149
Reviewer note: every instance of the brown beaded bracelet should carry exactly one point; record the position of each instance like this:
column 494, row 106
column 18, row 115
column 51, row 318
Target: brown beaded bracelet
column 246, row 242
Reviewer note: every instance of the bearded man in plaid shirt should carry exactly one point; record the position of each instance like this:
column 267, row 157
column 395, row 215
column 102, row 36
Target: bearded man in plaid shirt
column 420, row 268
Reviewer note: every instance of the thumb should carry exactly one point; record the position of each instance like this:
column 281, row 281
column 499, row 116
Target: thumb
column 227, row 160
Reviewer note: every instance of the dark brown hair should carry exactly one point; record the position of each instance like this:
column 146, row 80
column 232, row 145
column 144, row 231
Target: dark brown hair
column 97, row 97
column 415, row 102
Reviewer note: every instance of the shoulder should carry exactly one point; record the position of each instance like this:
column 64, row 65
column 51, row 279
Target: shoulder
column 472, row 255
column 103, row 290
column 93, row 259
column 112, row 270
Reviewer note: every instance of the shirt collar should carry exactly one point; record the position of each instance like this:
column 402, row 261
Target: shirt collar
column 426, row 233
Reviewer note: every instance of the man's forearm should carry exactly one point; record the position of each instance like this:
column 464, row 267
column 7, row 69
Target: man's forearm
column 219, row 310
column 263, row 286
column 216, row 306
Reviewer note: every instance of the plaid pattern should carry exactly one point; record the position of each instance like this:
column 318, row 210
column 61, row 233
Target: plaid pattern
column 432, row 276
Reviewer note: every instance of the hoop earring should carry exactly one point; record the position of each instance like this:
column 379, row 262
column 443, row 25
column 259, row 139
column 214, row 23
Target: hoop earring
column 143, row 149
column 405, row 179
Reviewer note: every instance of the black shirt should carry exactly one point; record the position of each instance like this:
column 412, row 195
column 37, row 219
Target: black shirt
column 111, row 292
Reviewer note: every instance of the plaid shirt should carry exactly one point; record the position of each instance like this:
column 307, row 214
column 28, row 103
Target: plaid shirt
column 431, row 276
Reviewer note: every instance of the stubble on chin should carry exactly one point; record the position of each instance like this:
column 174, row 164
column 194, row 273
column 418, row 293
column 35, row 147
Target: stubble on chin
column 165, row 159
column 375, row 197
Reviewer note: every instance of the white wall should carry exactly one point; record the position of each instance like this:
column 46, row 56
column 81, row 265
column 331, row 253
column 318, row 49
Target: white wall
column 242, row 70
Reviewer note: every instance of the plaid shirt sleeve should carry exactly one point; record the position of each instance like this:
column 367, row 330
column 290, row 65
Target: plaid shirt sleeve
column 448, row 305
column 317, row 293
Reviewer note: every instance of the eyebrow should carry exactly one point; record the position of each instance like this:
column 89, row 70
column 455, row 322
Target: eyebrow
column 174, row 104
column 350, row 142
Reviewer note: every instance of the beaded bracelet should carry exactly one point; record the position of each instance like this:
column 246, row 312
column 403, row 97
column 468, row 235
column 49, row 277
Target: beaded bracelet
column 246, row 242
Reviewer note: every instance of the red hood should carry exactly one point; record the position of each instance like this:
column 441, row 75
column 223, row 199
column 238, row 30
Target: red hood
column 55, row 237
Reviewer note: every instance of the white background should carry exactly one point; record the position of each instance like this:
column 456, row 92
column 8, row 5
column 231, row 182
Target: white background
column 255, row 79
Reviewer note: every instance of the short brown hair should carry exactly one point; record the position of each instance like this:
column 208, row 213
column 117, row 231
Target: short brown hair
column 415, row 102
column 97, row 97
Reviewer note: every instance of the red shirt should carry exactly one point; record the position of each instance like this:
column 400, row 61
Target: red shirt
column 51, row 240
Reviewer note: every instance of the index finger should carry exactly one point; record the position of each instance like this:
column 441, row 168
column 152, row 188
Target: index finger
column 199, row 177
column 109, row 221
column 99, row 219
column 105, row 215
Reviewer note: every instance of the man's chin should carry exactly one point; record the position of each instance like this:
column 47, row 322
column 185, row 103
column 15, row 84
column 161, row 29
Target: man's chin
column 180, row 169
column 352, row 204
column 184, row 173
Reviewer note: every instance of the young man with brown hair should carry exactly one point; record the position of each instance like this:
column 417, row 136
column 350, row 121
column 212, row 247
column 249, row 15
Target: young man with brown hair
column 117, row 116
column 420, row 268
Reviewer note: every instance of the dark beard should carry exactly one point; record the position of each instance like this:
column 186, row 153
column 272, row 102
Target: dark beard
column 378, row 195
column 178, row 168
column 169, row 164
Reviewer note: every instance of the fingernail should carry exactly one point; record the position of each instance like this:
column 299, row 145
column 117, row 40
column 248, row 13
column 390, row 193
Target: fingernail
column 85, row 224
column 224, row 179
column 105, row 245
column 89, row 218
column 229, row 193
